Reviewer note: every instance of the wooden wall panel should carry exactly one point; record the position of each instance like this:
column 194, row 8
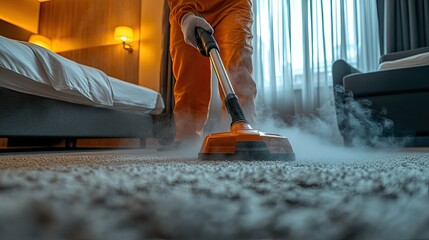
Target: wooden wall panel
column 82, row 30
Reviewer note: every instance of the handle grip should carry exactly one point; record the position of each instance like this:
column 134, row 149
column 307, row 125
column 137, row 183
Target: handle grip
column 205, row 41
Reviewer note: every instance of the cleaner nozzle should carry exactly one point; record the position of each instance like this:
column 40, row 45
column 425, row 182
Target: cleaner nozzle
column 234, row 109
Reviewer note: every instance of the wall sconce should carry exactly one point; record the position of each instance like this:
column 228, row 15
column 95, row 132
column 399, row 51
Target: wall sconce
column 125, row 35
column 41, row 41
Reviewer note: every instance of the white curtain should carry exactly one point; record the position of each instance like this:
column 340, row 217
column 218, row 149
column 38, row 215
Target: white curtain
column 296, row 42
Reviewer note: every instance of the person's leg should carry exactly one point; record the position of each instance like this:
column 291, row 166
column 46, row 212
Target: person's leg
column 192, row 90
column 233, row 32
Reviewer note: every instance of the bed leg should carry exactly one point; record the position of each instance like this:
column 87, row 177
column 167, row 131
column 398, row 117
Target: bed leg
column 142, row 142
column 71, row 143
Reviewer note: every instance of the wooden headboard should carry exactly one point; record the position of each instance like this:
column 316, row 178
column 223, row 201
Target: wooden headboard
column 14, row 32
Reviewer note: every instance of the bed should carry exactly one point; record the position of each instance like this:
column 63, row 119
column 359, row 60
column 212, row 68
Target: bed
column 44, row 95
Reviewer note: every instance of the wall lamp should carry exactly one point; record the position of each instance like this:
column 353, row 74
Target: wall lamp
column 125, row 35
column 41, row 41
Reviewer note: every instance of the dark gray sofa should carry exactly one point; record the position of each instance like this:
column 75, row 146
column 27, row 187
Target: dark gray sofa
column 395, row 103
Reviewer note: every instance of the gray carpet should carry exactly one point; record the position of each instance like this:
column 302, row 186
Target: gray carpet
column 327, row 193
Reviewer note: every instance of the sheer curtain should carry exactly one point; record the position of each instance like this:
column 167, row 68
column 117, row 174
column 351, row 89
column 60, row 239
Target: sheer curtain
column 296, row 42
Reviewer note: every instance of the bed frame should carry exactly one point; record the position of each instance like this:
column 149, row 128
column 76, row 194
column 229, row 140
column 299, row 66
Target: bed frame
column 28, row 116
column 28, row 119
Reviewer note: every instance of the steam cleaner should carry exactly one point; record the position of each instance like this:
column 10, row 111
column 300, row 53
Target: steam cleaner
column 242, row 142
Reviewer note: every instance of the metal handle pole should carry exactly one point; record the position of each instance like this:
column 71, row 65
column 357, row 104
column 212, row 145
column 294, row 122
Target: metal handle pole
column 221, row 73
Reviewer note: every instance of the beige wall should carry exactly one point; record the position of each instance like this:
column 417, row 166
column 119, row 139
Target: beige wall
column 22, row 13
column 150, row 43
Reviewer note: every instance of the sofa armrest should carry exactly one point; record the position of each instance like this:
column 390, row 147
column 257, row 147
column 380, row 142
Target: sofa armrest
column 402, row 54
column 340, row 69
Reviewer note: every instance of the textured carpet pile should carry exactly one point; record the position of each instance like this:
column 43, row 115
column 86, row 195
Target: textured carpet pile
column 144, row 194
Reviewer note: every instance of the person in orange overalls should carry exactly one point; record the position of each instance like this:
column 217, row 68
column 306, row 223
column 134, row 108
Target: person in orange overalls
column 231, row 25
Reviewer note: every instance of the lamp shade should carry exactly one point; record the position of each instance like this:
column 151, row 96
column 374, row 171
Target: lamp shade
column 41, row 41
column 123, row 34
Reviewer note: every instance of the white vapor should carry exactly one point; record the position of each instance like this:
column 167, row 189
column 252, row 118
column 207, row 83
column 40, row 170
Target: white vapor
column 318, row 137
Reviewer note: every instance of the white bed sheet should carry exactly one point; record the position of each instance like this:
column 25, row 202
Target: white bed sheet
column 30, row 69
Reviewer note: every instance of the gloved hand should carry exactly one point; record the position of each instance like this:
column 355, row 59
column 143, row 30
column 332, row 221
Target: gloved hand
column 188, row 25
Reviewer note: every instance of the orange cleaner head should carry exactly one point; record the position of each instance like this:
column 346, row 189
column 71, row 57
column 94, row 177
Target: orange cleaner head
column 245, row 143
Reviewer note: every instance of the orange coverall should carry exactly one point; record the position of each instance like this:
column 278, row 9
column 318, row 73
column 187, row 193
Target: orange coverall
column 232, row 23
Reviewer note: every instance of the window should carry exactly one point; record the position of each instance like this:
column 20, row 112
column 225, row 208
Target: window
column 297, row 41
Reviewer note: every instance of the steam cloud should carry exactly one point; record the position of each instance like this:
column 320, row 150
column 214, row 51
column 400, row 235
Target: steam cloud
column 318, row 137
column 361, row 124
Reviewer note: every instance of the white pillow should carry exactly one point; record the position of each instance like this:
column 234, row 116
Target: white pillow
column 412, row 61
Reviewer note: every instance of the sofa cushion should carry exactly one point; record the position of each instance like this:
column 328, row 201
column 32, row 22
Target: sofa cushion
column 402, row 54
column 411, row 61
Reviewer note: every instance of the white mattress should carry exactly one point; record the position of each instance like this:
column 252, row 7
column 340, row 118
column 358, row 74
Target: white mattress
column 31, row 69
